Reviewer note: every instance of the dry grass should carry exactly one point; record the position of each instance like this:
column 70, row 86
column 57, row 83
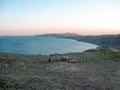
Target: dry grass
column 94, row 70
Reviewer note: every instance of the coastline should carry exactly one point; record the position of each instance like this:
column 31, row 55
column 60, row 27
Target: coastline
column 103, row 41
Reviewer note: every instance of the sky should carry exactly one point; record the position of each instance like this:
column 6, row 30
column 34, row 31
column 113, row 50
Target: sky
column 31, row 17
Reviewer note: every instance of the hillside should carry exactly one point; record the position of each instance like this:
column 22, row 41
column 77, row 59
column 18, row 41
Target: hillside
column 94, row 70
column 101, row 40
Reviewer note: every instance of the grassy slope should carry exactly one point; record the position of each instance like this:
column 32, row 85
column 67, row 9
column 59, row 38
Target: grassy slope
column 95, row 70
column 102, row 40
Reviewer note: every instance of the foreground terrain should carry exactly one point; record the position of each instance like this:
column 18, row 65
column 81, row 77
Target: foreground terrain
column 94, row 70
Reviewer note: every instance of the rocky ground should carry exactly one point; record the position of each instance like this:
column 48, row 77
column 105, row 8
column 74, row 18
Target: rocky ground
column 94, row 70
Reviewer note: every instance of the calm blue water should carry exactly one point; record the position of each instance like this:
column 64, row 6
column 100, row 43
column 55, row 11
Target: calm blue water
column 41, row 45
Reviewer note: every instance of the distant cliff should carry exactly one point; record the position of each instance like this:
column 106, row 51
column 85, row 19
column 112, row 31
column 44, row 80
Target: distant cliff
column 101, row 40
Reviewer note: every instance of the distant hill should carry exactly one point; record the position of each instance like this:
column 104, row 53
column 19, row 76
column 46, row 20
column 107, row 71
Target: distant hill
column 101, row 40
column 61, row 35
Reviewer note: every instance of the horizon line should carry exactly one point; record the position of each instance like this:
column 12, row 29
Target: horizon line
column 60, row 33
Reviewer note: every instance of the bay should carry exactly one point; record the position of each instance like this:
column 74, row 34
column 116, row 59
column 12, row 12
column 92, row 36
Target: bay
column 41, row 45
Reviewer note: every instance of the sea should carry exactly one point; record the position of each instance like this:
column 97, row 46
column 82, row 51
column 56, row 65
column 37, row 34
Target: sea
column 41, row 45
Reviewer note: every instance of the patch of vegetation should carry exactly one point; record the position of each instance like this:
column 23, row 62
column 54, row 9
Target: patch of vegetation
column 112, row 55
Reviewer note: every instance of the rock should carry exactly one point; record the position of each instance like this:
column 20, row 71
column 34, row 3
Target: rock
column 73, row 61
column 60, row 58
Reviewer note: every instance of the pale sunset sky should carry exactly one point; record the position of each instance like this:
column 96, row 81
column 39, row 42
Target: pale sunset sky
column 31, row 17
